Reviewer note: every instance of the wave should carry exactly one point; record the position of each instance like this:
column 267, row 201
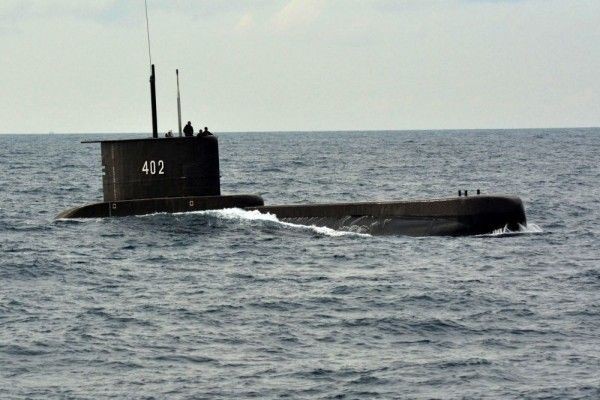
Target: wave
column 523, row 230
column 238, row 214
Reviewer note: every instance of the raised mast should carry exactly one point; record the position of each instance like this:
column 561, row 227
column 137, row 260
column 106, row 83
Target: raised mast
column 152, row 79
column 153, row 101
column 178, row 103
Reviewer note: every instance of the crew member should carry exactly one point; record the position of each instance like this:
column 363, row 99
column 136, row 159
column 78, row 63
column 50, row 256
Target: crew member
column 206, row 132
column 169, row 134
column 188, row 130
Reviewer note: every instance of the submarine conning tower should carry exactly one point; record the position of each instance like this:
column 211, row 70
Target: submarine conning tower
column 145, row 176
column 148, row 175
column 152, row 168
column 158, row 168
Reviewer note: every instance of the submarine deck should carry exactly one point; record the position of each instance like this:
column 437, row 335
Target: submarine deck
column 447, row 216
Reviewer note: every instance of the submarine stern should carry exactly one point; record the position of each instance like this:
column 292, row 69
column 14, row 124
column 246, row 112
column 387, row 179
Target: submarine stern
column 125, row 208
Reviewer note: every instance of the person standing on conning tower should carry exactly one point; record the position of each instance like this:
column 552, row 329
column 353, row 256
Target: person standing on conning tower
column 188, row 130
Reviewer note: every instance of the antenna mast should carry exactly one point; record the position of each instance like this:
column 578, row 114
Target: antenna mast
column 148, row 34
column 152, row 80
column 178, row 102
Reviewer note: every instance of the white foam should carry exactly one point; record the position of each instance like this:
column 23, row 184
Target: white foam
column 237, row 214
column 523, row 229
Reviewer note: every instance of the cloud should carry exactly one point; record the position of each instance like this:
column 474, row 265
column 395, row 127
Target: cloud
column 271, row 63
column 100, row 11
column 27, row 8
column 298, row 13
column 245, row 23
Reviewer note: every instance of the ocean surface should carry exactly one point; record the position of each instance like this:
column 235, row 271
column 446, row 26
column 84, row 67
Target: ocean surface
column 233, row 304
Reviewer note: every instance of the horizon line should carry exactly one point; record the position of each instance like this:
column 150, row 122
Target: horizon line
column 311, row 131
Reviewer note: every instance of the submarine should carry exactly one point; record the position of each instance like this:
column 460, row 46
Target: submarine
column 181, row 174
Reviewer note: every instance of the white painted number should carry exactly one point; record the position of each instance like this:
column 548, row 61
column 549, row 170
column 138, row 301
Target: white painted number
column 149, row 167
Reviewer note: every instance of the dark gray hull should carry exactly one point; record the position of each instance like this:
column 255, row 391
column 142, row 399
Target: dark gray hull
column 125, row 208
column 451, row 217
column 454, row 216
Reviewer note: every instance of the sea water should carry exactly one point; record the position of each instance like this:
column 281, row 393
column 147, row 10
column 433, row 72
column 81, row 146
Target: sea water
column 235, row 304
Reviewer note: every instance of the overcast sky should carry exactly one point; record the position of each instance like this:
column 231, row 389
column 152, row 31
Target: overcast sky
column 263, row 65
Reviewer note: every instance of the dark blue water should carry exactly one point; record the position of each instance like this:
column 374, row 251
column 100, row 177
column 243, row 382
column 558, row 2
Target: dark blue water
column 237, row 305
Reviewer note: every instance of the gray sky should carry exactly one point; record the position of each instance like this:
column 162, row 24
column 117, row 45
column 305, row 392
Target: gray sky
column 82, row 66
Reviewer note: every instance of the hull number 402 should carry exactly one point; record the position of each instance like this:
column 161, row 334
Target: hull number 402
column 154, row 167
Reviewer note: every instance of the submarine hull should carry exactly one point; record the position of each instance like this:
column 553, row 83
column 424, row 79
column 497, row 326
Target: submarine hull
column 449, row 217
column 458, row 216
column 125, row 208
